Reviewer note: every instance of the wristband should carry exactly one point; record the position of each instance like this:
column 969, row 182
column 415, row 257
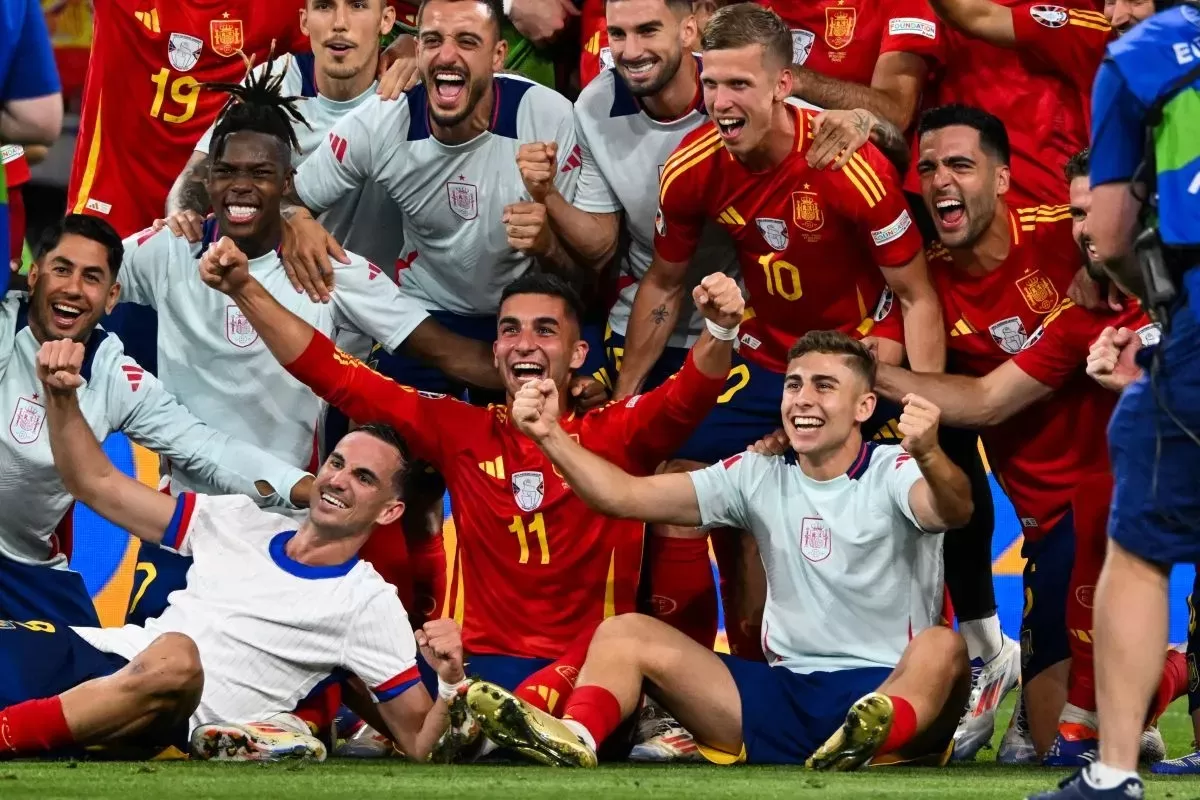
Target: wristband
column 447, row 691
column 720, row 332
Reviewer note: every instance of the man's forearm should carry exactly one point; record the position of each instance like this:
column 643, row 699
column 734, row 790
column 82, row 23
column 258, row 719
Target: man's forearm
column 831, row 93
column 713, row 356
column 590, row 238
column 949, row 488
column 655, row 310
column 189, row 192
column 463, row 359
column 78, row 457
column 962, row 401
column 890, row 140
column 285, row 334
column 924, row 333
column 558, row 261
column 597, row 482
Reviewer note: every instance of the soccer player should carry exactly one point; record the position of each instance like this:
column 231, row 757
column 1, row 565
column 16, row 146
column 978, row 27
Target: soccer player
column 534, row 568
column 73, row 282
column 270, row 610
column 844, row 526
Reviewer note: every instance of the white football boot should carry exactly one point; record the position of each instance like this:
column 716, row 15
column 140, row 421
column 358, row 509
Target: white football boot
column 661, row 739
column 990, row 684
column 283, row 736
column 1017, row 745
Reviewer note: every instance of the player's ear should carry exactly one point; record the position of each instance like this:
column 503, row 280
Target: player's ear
column 304, row 20
column 579, row 354
column 866, row 407
column 32, row 277
column 389, row 18
column 495, row 355
column 391, row 512
column 783, row 88
column 114, row 294
column 499, row 55
column 689, row 33
column 1003, row 179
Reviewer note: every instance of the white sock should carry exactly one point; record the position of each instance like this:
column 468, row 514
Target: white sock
column 582, row 732
column 984, row 638
column 1079, row 716
column 1102, row 776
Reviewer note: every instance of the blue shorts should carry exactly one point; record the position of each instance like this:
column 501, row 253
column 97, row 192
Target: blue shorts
column 786, row 716
column 1047, row 577
column 1156, row 465
column 158, row 573
column 58, row 596
column 41, row 660
column 613, row 353
column 747, row 411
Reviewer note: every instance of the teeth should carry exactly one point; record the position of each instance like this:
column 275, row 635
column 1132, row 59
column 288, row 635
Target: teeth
column 948, row 203
column 639, row 68
column 526, row 365
column 451, row 77
column 333, row 501
column 806, row 422
column 66, row 309
column 728, row 121
column 241, row 211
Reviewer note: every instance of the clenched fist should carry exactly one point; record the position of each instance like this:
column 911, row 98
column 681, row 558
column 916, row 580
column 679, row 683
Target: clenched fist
column 1110, row 360
column 528, row 228
column 538, row 162
column 535, row 408
column 58, row 365
column 441, row 646
column 919, row 424
column 719, row 298
column 224, row 267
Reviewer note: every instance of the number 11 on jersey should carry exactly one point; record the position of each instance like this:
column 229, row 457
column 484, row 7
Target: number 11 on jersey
column 537, row 526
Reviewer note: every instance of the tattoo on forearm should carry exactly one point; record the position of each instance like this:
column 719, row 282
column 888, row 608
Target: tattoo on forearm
column 194, row 196
column 861, row 122
column 660, row 314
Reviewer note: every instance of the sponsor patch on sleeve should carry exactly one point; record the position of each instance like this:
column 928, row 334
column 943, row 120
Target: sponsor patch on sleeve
column 912, row 26
column 893, row 231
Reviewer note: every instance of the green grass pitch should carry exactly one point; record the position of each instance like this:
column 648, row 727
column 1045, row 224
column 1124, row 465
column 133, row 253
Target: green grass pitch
column 349, row 780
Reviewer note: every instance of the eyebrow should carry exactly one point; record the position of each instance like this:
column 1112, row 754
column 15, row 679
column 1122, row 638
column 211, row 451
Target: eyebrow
column 63, row 260
column 796, row 376
column 363, row 472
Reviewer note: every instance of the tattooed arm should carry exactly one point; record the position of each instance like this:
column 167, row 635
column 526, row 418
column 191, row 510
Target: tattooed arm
column 837, row 135
column 189, row 192
column 656, row 309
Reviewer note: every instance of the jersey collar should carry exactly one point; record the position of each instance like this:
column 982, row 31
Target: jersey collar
column 857, row 469
column 212, row 233
column 278, row 550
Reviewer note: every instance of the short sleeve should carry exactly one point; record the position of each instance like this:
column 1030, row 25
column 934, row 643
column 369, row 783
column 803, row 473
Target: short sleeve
column 380, row 647
column 32, row 72
column 366, row 298
column 720, row 492
column 912, row 27
column 181, row 531
column 1071, row 40
column 1058, row 349
column 569, row 157
column 1118, row 136
column 901, row 473
column 867, row 190
column 346, row 159
column 680, row 218
column 592, row 192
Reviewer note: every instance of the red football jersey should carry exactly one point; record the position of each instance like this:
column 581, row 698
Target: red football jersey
column 810, row 242
column 594, row 53
column 143, row 108
column 534, row 565
column 1041, row 90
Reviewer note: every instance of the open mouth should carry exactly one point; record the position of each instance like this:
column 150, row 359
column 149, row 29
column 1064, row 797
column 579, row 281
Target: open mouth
column 241, row 214
column 339, row 48
column 638, row 69
column 65, row 314
column 527, row 371
column 730, row 127
column 449, row 85
column 950, row 211
column 332, row 501
column 802, row 423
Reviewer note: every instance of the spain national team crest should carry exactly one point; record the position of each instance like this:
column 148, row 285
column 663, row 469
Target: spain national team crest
column 1039, row 293
column 238, row 329
column 226, row 36
column 183, row 51
column 464, row 199
column 806, row 212
column 1010, row 334
column 839, row 25
column 802, row 42
column 774, row 233
column 816, row 540
column 528, row 489
column 27, row 421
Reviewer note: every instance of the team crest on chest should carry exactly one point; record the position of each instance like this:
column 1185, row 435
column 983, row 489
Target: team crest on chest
column 183, row 51
column 774, row 233
column 464, row 198
column 27, row 421
column 1039, row 293
column 816, row 540
column 839, row 25
column 806, row 211
column 529, row 488
column 802, row 42
column 238, row 329
column 226, row 36
column 1009, row 334
column 606, row 58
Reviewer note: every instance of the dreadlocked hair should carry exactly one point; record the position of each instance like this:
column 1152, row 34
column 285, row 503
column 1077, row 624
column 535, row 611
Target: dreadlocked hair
column 257, row 105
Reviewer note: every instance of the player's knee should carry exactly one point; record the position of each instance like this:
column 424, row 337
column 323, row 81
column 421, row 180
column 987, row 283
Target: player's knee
column 626, row 633
column 167, row 670
column 945, row 647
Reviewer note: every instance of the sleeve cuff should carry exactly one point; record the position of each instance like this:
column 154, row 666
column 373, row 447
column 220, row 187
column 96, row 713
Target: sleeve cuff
column 410, row 322
column 397, row 685
column 177, row 529
column 316, row 356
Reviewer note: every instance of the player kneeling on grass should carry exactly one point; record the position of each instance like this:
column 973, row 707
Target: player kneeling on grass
column 269, row 612
column 849, row 533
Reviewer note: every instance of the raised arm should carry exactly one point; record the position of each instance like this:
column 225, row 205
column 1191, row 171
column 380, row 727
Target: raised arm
column 966, row 402
column 983, row 19
column 942, row 500
column 656, row 307
column 86, row 471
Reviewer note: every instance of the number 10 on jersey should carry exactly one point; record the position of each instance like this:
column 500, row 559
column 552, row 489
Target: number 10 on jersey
column 537, row 527
column 783, row 277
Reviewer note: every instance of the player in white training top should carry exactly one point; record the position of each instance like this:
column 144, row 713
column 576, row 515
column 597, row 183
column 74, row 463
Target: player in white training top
column 73, row 282
column 272, row 609
column 849, row 533
column 330, row 82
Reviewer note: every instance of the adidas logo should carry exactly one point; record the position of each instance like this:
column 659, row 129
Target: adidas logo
column 149, row 19
column 731, row 217
column 338, row 145
column 573, row 161
column 133, row 374
column 494, row 468
column 373, row 271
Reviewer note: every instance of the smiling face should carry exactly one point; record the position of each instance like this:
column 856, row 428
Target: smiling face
column 1080, row 198
column 71, row 288
column 1124, row 14
column 960, row 182
column 647, row 40
column 356, row 487
column 458, row 53
column 536, row 338
column 742, row 88
column 246, row 182
column 345, row 34
column 824, row 401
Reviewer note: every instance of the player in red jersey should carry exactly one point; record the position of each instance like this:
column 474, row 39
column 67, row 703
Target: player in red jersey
column 535, row 570
column 1032, row 66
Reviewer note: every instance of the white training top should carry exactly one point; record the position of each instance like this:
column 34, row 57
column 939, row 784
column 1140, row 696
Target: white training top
column 269, row 628
column 623, row 150
column 117, row 395
column 366, row 220
column 211, row 358
column 851, row 575
column 452, row 197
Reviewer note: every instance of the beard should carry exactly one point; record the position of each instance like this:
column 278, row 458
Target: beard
column 670, row 66
column 475, row 90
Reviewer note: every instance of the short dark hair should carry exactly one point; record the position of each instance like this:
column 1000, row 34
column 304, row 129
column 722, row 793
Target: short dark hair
column 257, row 106
column 745, row 24
column 681, row 5
column 993, row 136
column 1077, row 165
column 495, row 11
column 534, row 282
column 390, row 436
column 838, row 344
column 89, row 227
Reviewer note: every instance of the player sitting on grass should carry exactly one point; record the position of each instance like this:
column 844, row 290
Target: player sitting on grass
column 849, row 536
column 268, row 613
